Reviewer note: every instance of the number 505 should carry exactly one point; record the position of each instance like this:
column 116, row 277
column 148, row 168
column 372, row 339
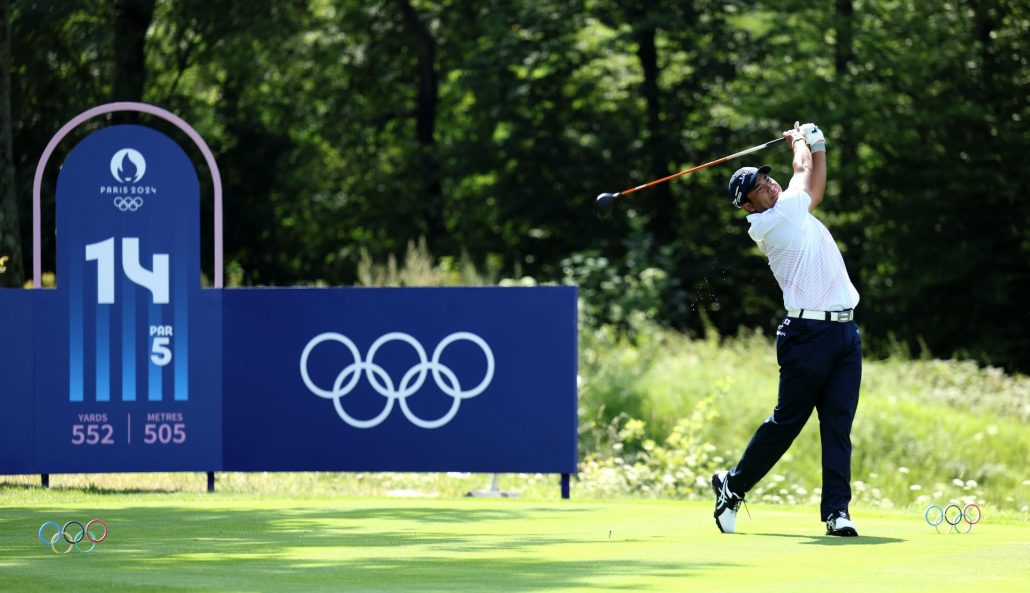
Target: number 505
column 164, row 433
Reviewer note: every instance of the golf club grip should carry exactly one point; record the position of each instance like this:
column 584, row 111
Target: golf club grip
column 699, row 167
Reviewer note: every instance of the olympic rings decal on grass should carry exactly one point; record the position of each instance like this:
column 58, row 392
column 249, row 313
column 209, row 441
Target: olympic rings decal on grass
column 72, row 533
column 954, row 516
column 130, row 204
column 411, row 382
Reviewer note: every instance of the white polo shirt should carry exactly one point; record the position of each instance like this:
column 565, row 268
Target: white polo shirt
column 803, row 255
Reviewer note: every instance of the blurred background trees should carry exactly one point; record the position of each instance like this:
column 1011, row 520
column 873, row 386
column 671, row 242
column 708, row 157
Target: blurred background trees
column 346, row 129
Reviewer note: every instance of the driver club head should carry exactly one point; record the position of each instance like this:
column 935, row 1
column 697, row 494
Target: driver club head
column 604, row 204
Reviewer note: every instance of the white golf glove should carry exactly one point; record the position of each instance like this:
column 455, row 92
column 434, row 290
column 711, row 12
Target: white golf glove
column 814, row 137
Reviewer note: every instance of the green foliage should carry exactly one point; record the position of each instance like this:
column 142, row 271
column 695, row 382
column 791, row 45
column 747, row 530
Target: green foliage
column 345, row 129
column 922, row 103
column 610, row 296
column 678, row 467
column 660, row 413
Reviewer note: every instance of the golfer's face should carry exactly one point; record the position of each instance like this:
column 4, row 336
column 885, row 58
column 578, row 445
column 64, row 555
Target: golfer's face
column 764, row 194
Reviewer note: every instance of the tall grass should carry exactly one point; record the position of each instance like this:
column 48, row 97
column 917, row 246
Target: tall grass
column 661, row 412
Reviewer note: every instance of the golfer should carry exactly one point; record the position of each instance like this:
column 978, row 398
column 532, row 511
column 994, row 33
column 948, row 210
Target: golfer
column 817, row 345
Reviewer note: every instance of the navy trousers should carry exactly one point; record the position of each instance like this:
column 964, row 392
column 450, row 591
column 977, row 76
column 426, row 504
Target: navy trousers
column 820, row 369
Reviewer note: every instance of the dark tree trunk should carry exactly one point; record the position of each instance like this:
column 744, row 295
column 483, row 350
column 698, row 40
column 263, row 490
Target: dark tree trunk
column 131, row 22
column 11, row 265
column 662, row 222
column 425, row 122
column 844, row 142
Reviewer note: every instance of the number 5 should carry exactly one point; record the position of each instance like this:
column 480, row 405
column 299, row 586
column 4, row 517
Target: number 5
column 161, row 354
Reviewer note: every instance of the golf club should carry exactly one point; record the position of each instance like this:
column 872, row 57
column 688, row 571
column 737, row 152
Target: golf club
column 605, row 201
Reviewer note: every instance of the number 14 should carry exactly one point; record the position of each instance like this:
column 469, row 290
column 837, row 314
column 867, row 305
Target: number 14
column 155, row 280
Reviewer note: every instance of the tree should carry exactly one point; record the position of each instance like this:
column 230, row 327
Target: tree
column 487, row 127
column 425, row 119
column 130, row 30
column 10, row 227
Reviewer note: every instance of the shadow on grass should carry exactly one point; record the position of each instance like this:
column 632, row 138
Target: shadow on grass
column 383, row 547
column 829, row 540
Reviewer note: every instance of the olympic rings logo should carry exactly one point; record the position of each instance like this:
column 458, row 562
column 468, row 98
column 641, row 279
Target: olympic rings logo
column 411, row 382
column 72, row 533
column 968, row 516
column 128, row 204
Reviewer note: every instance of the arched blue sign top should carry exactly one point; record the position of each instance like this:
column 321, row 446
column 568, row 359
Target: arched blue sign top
column 99, row 110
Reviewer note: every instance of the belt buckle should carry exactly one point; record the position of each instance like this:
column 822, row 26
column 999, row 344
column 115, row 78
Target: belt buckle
column 843, row 316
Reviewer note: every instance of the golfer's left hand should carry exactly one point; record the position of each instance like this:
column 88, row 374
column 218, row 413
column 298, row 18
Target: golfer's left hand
column 790, row 136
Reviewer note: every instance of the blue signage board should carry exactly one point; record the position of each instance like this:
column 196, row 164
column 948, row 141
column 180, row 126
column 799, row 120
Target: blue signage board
column 131, row 341
column 400, row 379
column 129, row 365
column 17, row 338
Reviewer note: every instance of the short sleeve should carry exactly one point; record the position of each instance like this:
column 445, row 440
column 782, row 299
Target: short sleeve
column 794, row 205
column 760, row 226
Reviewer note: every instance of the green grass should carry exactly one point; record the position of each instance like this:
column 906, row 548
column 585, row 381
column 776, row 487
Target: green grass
column 237, row 542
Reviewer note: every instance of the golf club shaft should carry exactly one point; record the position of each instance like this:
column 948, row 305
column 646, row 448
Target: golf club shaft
column 698, row 168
